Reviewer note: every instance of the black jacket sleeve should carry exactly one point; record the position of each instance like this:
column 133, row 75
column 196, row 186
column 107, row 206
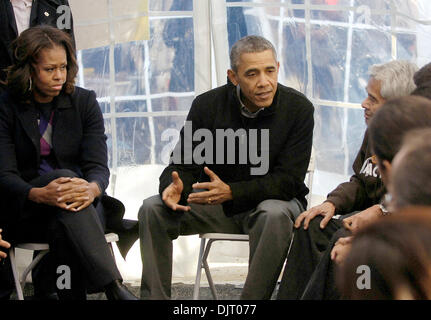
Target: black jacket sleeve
column 11, row 182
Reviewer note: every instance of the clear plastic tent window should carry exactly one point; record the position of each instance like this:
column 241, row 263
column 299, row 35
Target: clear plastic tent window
column 325, row 48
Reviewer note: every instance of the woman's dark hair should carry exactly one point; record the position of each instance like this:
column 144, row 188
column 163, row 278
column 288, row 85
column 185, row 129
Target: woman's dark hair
column 422, row 79
column 26, row 49
column 397, row 252
column 393, row 120
column 423, row 75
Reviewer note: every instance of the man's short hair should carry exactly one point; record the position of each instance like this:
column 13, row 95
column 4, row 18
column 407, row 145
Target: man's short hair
column 422, row 79
column 393, row 120
column 396, row 78
column 249, row 44
column 411, row 174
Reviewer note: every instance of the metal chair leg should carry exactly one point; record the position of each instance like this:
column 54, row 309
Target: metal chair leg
column 207, row 269
column 30, row 267
column 199, row 271
column 210, row 280
column 15, row 274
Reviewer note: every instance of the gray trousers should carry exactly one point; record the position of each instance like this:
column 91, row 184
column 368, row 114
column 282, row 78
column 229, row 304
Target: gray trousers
column 269, row 227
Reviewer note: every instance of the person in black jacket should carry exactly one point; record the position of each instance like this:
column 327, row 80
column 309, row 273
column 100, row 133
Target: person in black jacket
column 53, row 168
column 246, row 146
column 308, row 273
column 6, row 281
column 15, row 17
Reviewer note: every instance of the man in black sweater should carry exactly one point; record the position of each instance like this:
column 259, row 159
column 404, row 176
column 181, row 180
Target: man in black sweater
column 248, row 144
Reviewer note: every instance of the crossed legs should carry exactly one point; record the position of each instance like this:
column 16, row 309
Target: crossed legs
column 76, row 240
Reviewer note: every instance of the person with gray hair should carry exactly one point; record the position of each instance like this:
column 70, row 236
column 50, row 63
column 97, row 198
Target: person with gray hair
column 396, row 78
column 400, row 133
column 356, row 201
column 230, row 195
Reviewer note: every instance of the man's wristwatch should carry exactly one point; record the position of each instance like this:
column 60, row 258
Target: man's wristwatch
column 385, row 211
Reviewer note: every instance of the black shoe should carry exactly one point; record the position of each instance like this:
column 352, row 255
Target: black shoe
column 118, row 291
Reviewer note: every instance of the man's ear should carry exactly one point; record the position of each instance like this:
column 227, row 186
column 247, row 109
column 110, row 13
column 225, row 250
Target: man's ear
column 232, row 77
column 385, row 171
column 388, row 166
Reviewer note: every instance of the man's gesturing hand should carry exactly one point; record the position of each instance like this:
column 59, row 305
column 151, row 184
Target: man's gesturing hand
column 326, row 209
column 218, row 191
column 172, row 194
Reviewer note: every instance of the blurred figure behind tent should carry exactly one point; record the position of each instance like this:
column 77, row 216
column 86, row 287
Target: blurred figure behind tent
column 178, row 34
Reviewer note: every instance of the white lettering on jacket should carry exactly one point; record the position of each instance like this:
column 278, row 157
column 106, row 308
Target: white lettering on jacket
column 369, row 169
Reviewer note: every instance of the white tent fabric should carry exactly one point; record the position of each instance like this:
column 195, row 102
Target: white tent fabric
column 97, row 23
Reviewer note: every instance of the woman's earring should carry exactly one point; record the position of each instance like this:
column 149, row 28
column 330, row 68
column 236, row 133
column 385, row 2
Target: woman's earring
column 30, row 86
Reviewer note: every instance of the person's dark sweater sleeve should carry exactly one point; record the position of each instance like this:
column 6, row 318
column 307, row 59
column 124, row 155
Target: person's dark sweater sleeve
column 348, row 196
column 351, row 196
column 286, row 178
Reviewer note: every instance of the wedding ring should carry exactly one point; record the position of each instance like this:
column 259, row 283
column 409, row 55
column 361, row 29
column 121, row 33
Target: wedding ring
column 209, row 200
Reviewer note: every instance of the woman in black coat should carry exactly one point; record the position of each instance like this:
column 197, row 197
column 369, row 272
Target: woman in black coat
column 53, row 163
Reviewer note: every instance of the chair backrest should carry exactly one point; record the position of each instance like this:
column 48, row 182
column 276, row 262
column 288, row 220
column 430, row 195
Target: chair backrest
column 33, row 246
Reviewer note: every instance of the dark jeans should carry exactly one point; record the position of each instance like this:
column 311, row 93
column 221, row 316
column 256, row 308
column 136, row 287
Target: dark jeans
column 309, row 270
column 76, row 240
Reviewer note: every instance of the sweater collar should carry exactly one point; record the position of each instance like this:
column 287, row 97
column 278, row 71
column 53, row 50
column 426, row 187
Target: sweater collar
column 259, row 113
column 244, row 110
